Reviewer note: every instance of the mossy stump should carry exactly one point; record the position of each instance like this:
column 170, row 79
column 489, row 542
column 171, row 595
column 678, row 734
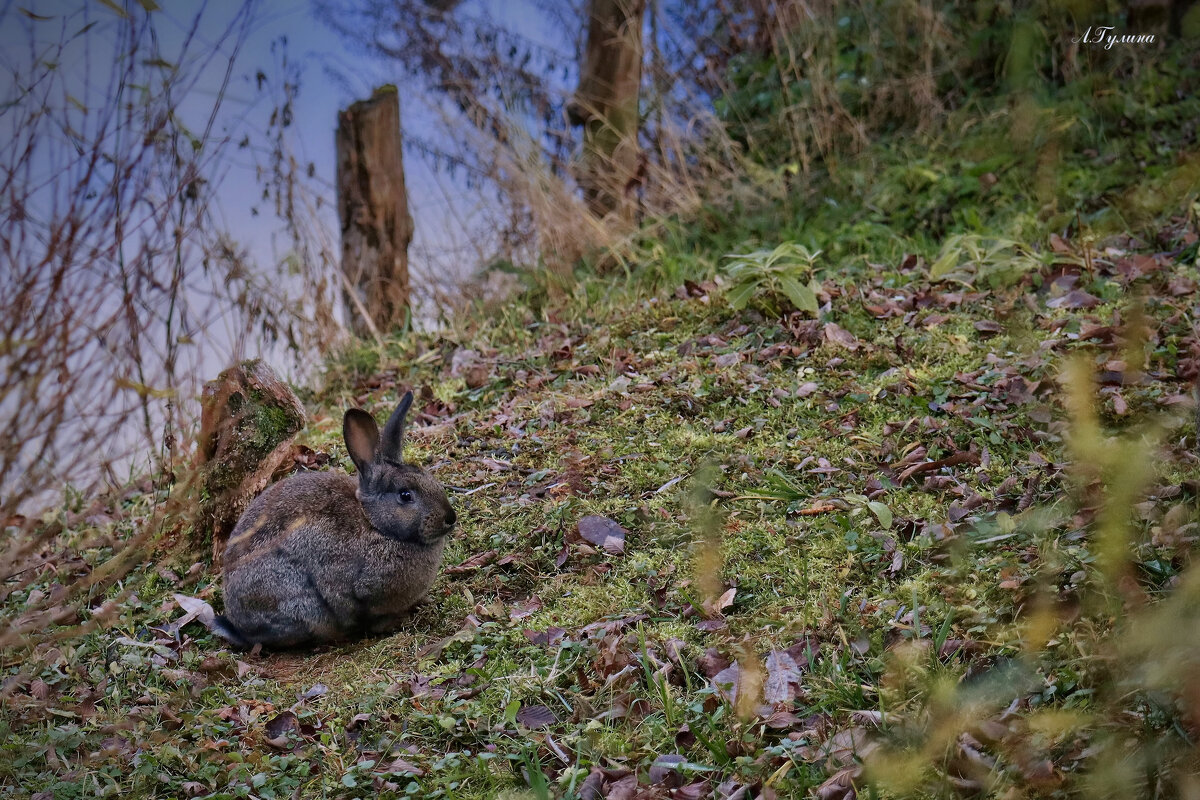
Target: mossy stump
column 248, row 420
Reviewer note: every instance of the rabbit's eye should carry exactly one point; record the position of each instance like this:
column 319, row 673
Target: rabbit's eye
column 406, row 496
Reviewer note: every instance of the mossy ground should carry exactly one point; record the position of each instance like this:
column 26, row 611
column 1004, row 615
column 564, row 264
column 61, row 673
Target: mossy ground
column 652, row 403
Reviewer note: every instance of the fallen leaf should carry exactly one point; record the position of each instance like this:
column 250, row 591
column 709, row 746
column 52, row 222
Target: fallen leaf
column 592, row 787
column 664, row 769
column 195, row 609
column 1076, row 298
column 473, row 563
column 401, row 767
column 783, row 679
column 837, row 335
column 781, row 719
column 684, row 738
column 819, row 508
column 840, row 786
column 714, row 607
column 731, row 789
column 536, row 716
column 603, row 532
column 521, row 610
column 624, row 789
column 727, row 360
column 693, row 791
column 316, row 691
column 277, row 729
column 961, row 457
column 550, row 636
column 712, row 662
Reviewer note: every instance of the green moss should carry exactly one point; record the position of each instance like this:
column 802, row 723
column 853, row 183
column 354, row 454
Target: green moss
column 270, row 425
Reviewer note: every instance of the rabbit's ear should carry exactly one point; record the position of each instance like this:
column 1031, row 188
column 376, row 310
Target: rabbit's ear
column 362, row 437
column 391, row 445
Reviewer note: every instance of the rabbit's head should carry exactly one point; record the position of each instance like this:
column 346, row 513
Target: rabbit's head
column 402, row 501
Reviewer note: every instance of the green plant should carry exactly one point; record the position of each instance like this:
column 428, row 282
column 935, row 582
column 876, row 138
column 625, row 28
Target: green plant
column 787, row 270
column 995, row 260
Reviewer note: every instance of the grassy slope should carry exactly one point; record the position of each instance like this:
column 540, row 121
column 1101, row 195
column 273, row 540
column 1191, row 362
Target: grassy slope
column 628, row 401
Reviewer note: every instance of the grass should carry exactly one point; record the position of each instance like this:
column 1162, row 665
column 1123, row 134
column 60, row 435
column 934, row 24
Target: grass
column 953, row 628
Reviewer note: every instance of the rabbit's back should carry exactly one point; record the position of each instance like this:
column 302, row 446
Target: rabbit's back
column 311, row 500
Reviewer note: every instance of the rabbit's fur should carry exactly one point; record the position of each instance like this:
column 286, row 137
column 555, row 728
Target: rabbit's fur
column 322, row 557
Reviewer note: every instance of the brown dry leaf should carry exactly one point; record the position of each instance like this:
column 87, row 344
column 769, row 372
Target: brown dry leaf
column 1181, row 286
column 473, row 563
column 1074, row 299
column 731, row 789
column 276, row 730
column 840, row 786
column 663, row 770
column 727, row 360
column 1104, row 333
column 848, row 744
column 314, row 691
column 524, row 609
column 819, row 508
column 357, row 722
column 624, row 789
column 536, row 716
column 839, row 336
column 1058, row 245
column 782, row 719
column 550, row 636
column 713, row 608
column 696, row 790
column 402, row 767
column 961, row 457
column 726, row 682
column 987, row 327
column 1042, row 774
column 783, row 679
column 195, row 609
column 591, row 788
column 603, row 532
column 712, row 662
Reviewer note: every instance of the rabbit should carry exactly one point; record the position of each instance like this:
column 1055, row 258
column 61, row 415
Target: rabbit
column 325, row 557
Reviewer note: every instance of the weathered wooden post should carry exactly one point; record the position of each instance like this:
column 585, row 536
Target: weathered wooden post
column 606, row 104
column 373, row 209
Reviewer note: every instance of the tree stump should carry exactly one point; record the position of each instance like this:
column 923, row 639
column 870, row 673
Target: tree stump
column 248, row 420
column 373, row 209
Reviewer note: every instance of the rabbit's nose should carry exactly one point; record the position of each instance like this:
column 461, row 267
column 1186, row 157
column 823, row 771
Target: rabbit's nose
column 450, row 518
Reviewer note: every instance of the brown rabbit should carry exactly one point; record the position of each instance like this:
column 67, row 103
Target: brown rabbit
column 322, row 557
